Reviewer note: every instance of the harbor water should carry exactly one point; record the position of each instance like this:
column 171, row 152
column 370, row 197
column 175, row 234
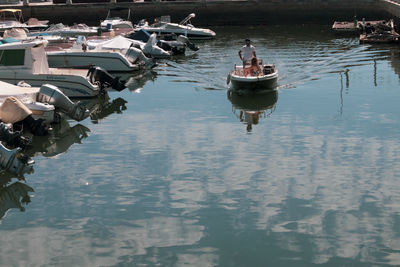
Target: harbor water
column 180, row 171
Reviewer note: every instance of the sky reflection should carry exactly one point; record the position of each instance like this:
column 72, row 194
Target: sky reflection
column 173, row 178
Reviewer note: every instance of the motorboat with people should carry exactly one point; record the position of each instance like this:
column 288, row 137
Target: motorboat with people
column 12, row 18
column 163, row 26
column 113, row 22
column 257, row 76
column 81, row 55
column 27, row 61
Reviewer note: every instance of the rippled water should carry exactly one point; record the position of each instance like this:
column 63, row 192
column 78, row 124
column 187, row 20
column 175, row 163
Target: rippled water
column 179, row 171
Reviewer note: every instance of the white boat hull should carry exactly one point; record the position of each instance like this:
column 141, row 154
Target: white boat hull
column 268, row 80
column 114, row 62
column 70, row 85
column 191, row 33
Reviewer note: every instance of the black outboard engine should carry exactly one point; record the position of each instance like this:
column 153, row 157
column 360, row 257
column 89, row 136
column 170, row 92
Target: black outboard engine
column 104, row 79
column 12, row 138
column 176, row 47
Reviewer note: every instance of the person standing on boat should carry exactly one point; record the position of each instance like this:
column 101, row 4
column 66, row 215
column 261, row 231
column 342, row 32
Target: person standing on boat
column 247, row 52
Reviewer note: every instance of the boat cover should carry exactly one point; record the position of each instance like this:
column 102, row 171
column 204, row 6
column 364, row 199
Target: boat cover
column 13, row 110
column 40, row 64
column 141, row 35
column 16, row 33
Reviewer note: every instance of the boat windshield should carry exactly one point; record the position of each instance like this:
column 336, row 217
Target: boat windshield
column 11, row 14
column 12, row 57
column 115, row 13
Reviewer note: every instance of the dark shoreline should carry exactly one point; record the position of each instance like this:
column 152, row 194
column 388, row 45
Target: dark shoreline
column 216, row 13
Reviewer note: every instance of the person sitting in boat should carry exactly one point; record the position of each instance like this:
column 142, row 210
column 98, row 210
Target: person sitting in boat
column 247, row 52
column 254, row 69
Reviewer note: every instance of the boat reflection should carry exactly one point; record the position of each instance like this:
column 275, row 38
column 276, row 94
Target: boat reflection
column 104, row 108
column 62, row 136
column 137, row 80
column 249, row 107
column 14, row 196
column 60, row 139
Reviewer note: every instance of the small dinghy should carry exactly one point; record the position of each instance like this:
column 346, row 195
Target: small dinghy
column 265, row 77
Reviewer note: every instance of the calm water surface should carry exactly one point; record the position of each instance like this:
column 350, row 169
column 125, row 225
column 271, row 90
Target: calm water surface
column 178, row 171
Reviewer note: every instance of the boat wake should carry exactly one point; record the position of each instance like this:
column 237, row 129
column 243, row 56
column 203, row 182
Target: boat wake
column 297, row 61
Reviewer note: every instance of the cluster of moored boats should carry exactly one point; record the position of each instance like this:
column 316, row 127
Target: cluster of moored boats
column 43, row 68
column 377, row 31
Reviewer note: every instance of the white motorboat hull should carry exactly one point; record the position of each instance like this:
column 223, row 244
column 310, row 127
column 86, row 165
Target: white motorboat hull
column 70, row 85
column 191, row 33
column 110, row 61
column 261, row 82
column 31, row 65
column 116, row 24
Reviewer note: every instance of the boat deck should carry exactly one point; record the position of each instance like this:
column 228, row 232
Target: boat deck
column 68, row 71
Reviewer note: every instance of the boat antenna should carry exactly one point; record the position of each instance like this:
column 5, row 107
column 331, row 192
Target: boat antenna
column 191, row 15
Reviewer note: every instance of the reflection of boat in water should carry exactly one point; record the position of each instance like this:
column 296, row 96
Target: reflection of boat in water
column 265, row 78
column 63, row 135
column 253, row 101
column 138, row 80
column 14, row 196
column 250, row 107
column 106, row 108
column 60, row 139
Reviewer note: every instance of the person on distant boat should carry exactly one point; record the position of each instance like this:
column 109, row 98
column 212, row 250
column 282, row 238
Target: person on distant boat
column 254, row 69
column 247, row 52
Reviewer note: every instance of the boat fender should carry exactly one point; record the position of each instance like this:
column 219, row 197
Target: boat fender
column 13, row 110
column 23, row 84
column 228, row 79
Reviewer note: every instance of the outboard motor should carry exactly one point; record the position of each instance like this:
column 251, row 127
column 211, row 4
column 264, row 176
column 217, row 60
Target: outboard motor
column 11, row 161
column 50, row 94
column 137, row 56
column 105, row 79
column 176, row 47
column 186, row 41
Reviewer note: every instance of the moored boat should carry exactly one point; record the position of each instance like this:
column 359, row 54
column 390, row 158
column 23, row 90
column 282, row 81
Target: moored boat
column 27, row 61
column 266, row 79
column 80, row 57
column 112, row 22
column 163, row 26
column 43, row 101
column 11, row 18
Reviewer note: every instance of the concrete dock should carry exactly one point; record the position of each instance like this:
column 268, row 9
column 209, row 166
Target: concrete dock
column 221, row 12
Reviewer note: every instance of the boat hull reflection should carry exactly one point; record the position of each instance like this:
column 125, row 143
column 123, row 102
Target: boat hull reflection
column 250, row 101
column 249, row 107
